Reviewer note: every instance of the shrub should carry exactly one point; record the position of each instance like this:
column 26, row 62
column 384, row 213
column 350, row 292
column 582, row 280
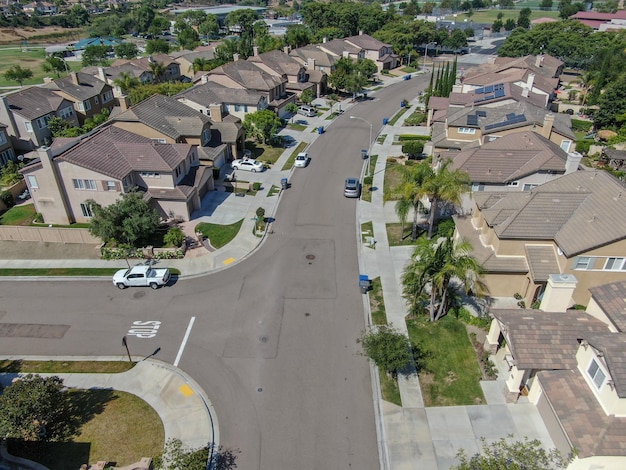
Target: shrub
column 413, row 148
column 578, row 125
column 7, row 198
column 408, row 137
column 483, row 321
column 260, row 213
column 174, row 237
column 256, row 186
column 446, row 228
column 583, row 146
column 38, row 218
column 367, row 181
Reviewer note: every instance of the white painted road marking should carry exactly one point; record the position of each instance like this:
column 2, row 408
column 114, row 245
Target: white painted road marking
column 184, row 343
column 144, row 329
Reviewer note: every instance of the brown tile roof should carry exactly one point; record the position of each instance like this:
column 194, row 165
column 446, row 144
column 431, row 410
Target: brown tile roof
column 116, row 152
column 322, row 58
column 585, row 423
column 338, row 46
column 206, row 94
column 279, row 62
column 248, row 75
column 34, row 102
column 367, row 42
column 87, row 87
column 612, row 300
column 546, row 340
column 613, row 348
column 541, row 261
column 511, row 157
column 166, row 115
column 228, row 130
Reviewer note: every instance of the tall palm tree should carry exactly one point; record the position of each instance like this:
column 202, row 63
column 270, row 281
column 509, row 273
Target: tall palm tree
column 157, row 70
column 126, row 82
column 444, row 185
column 433, row 272
column 410, row 192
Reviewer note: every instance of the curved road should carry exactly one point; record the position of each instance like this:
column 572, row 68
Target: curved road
column 273, row 342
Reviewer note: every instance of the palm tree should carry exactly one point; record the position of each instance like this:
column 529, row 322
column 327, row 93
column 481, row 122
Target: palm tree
column 432, row 270
column 126, row 82
column 444, row 185
column 157, row 70
column 410, row 193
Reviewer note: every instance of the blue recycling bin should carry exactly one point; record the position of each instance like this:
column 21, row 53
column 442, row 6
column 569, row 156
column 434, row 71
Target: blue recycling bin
column 364, row 283
column 363, row 154
column 385, row 121
column 407, row 77
column 320, row 130
column 402, row 104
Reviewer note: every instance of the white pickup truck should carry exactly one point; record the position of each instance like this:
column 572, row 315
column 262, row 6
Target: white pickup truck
column 141, row 276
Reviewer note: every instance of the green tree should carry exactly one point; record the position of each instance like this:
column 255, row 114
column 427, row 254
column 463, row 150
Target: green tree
column 366, row 67
column 612, row 104
column 297, row 36
column 157, row 46
column 130, row 220
column 59, row 127
column 17, row 73
column 389, row 348
column 95, row 55
column 36, row 408
column 158, row 70
column 292, row 108
column 174, row 237
column 306, row 97
column 331, row 99
column 262, row 125
column 355, row 83
column 433, row 271
column 413, row 148
column 126, row 82
column 509, row 24
column 126, row 50
column 10, row 173
column 409, row 193
column 512, row 455
column 193, row 18
column 523, row 20
column 188, row 38
column 243, row 20
column 546, row 5
column 210, row 27
column 54, row 64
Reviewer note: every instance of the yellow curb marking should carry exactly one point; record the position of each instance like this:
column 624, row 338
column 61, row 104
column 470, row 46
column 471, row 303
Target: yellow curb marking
column 186, row 390
column 228, row 261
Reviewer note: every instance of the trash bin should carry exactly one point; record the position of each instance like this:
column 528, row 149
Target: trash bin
column 407, row 77
column 402, row 104
column 284, row 183
column 385, row 121
column 363, row 154
column 364, row 283
column 320, row 130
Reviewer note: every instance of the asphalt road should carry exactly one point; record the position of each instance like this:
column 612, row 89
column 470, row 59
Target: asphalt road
column 271, row 339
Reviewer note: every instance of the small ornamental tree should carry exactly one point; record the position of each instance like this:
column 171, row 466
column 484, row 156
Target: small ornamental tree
column 292, row 108
column 174, row 237
column 18, row 74
column 413, row 148
column 306, row 97
column 388, row 348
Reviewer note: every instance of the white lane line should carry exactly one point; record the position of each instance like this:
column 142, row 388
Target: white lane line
column 184, row 343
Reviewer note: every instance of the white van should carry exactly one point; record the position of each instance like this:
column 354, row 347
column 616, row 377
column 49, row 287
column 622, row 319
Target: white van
column 307, row 111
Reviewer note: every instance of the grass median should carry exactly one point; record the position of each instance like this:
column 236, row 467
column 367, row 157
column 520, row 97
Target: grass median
column 68, row 272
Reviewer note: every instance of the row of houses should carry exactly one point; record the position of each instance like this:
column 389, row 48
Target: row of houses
column 548, row 232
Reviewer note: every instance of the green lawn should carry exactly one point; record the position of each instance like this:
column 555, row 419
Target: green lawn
column 489, row 16
column 219, row 235
column 263, row 152
column 398, row 237
column 18, row 215
column 65, row 367
column 451, row 372
column 292, row 158
column 296, row 126
column 389, row 388
column 31, row 59
column 397, row 116
column 367, row 230
column 377, row 303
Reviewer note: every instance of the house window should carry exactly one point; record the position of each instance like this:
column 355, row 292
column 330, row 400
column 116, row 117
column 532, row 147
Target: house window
column 66, row 112
column 7, row 156
column 110, row 185
column 478, row 187
column 150, row 174
column 32, row 182
column 529, row 186
column 596, row 374
column 513, row 184
column 237, row 107
column 583, row 262
column 467, row 130
column 28, row 126
column 87, row 211
column 84, row 105
column 206, row 136
column 84, row 184
column 107, row 96
column 566, row 144
column 614, row 264
column 96, row 100
column 42, row 122
column 3, row 138
column 159, row 141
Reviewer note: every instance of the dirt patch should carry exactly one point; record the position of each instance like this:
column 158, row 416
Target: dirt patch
column 15, row 35
column 477, row 338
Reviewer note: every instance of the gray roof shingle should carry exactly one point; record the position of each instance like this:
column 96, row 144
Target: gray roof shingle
column 34, row 102
column 611, row 298
column 87, row 87
column 541, row 261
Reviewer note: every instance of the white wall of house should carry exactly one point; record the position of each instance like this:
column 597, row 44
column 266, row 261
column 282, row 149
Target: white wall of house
column 598, row 463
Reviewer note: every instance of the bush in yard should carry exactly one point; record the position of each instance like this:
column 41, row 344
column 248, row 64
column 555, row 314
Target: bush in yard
column 7, row 198
column 174, row 237
column 10, row 173
column 446, row 228
column 388, row 348
column 583, row 146
column 256, row 186
column 413, row 148
column 260, row 213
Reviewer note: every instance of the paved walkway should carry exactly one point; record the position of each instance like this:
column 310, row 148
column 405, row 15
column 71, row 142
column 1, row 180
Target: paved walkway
column 411, row 436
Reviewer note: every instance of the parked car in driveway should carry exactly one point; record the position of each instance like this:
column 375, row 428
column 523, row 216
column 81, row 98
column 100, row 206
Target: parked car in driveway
column 302, row 160
column 352, row 187
column 248, row 165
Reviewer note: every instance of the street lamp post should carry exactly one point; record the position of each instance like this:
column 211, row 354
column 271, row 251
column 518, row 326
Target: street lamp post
column 369, row 148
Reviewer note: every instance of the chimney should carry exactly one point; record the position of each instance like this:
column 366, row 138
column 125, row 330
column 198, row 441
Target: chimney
column 525, row 92
column 101, row 75
column 530, row 81
column 286, row 50
column 235, row 57
column 124, row 102
column 539, row 60
column 204, row 78
column 74, row 77
column 47, row 79
column 215, row 112
column 558, row 294
column 310, row 63
column 360, row 32
column 548, row 122
column 255, row 51
column 573, row 160
column 324, row 40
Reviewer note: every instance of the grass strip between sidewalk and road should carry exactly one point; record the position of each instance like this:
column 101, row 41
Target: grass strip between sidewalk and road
column 292, row 158
column 451, row 374
column 70, row 272
column 64, row 367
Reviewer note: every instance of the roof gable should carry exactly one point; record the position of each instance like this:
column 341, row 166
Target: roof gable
column 34, row 102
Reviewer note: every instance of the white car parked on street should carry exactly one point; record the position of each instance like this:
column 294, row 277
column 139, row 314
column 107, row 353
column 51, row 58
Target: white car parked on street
column 302, row 160
column 248, row 165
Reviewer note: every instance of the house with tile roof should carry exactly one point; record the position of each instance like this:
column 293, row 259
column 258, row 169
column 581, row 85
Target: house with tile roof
column 281, row 64
column 167, row 120
column 186, row 59
column 572, row 365
column 245, row 74
column 314, row 58
column 339, row 48
column 568, row 226
column 27, row 111
column 515, row 162
column 89, row 94
column 598, row 20
column 7, row 152
column 113, row 161
column 379, row 52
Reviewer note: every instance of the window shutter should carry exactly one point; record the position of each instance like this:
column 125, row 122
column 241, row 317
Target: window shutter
column 103, row 185
column 118, row 186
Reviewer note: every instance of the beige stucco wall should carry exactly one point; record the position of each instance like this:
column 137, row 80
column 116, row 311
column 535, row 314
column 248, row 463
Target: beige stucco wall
column 454, row 134
column 142, row 129
column 595, row 311
column 607, row 397
column 504, row 285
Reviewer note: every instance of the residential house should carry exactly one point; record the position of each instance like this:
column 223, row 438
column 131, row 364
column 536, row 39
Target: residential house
column 379, row 52
column 225, row 107
column 7, row 153
column 314, row 58
column 246, row 75
column 166, row 120
column 340, row 49
column 99, row 167
column 40, row 8
column 616, row 159
column 600, row 21
column 568, row 226
column 570, row 364
column 27, row 112
column 89, row 94
column 515, row 162
column 186, row 60
column 282, row 65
